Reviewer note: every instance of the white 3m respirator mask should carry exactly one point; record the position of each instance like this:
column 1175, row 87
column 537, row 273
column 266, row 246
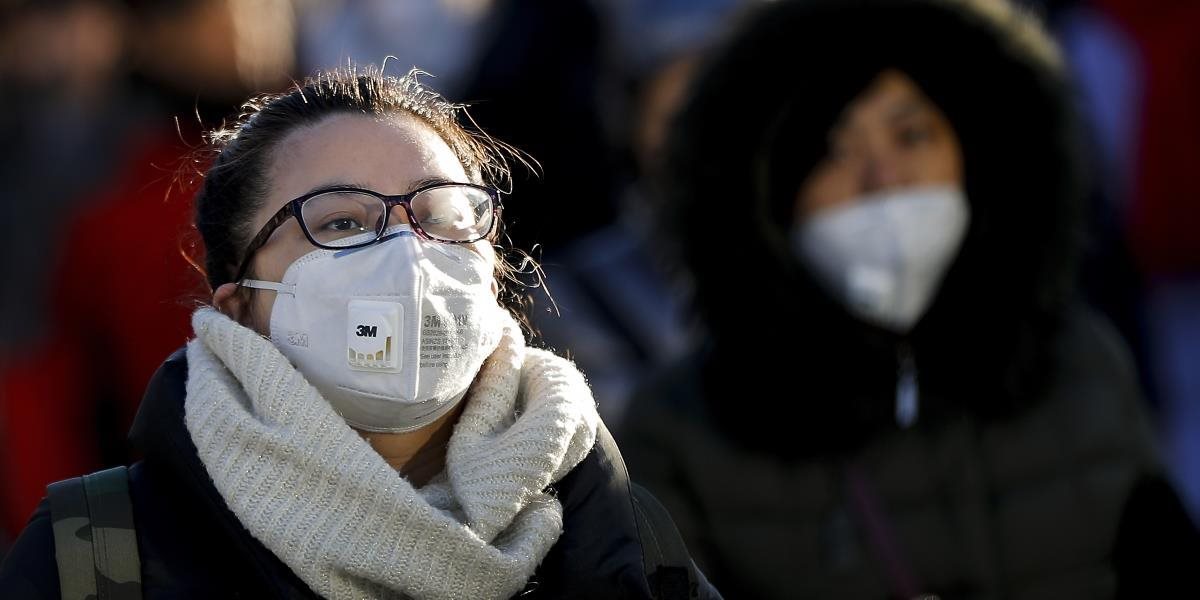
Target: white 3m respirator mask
column 391, row 334
column 884, row 256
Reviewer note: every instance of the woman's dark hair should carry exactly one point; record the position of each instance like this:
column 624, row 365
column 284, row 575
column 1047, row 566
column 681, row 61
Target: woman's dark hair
column 235, row 186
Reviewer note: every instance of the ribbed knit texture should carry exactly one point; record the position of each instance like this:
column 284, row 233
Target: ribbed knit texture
column 314, row 493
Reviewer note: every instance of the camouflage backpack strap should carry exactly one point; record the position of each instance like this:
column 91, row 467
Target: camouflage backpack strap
column 666, row 561
column 94, row 540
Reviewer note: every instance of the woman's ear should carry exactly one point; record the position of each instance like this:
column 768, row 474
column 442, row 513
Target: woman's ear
column 228, row 301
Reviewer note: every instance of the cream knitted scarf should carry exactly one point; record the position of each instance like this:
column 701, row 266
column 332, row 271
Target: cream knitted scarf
column 314, row 493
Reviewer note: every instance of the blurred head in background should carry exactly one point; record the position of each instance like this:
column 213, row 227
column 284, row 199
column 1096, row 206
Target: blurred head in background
column 100, row 92
column 219, row 50
column 887, row 177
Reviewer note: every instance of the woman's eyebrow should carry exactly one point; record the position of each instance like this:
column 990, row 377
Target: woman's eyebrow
column 420, row 183
column 334, row 184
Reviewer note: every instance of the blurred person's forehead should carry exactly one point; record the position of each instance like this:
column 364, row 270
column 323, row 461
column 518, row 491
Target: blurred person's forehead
column 891, row 96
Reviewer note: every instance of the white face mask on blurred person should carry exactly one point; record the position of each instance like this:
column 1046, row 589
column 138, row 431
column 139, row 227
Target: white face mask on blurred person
column 883, row 256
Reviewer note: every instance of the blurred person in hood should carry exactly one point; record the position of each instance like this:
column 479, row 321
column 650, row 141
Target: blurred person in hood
column 900, row 392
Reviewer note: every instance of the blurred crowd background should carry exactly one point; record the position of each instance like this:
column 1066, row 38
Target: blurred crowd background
column 104, row 103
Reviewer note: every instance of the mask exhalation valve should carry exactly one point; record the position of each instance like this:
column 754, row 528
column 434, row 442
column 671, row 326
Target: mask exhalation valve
column 372, row 335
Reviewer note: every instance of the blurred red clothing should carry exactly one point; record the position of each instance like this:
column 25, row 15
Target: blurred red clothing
column 1165, row 208
column 123, row 293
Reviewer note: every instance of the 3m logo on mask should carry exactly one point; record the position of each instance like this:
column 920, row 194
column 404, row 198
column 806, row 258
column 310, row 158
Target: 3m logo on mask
column 372, row 330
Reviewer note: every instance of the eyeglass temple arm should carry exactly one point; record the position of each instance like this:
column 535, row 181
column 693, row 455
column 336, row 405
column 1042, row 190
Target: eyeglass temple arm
column 263, row 235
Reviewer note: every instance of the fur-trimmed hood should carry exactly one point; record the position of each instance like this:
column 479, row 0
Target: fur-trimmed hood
column 755, row 123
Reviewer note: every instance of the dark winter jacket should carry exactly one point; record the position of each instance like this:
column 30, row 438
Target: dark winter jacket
column 1065, row 500
column 192, row 546
column 1031, row 471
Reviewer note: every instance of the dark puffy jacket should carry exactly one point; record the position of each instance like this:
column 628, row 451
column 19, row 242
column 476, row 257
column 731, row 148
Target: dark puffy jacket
column 192, row 546
column 1065, row 500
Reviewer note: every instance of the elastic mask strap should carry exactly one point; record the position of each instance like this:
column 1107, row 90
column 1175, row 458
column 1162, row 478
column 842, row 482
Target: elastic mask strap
column 258, row 284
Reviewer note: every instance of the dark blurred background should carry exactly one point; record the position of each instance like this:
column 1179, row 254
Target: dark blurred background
column 103, row 104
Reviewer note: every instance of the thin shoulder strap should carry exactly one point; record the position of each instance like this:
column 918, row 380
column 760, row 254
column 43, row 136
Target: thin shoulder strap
column 666, row 559
column 95, row 544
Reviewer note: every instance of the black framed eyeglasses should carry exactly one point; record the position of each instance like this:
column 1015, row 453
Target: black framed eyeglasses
column 342, row 217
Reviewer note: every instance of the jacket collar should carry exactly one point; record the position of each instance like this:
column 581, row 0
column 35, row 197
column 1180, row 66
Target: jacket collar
column 159, row 432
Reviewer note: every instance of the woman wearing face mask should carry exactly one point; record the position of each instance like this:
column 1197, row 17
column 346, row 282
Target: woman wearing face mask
column 900, row 393
column 358, row 415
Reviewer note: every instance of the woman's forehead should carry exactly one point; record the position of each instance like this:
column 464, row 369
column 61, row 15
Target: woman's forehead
column 384, row 153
